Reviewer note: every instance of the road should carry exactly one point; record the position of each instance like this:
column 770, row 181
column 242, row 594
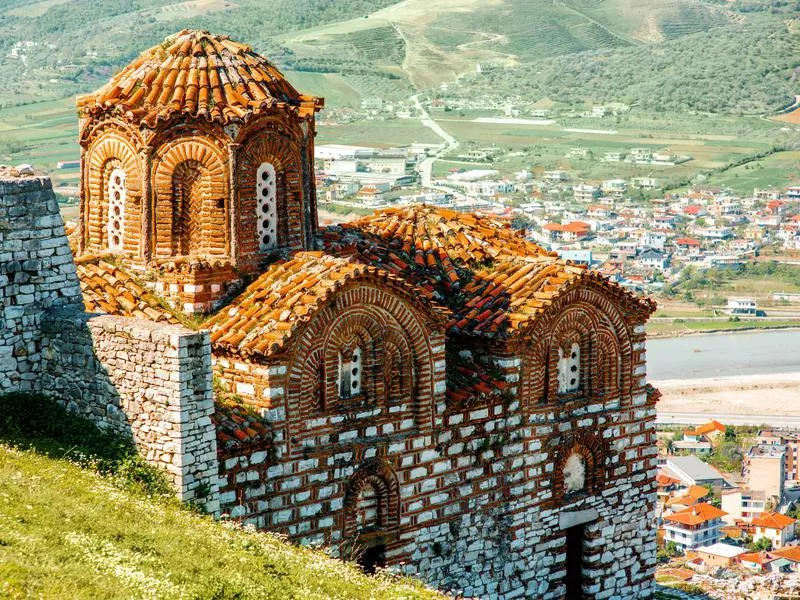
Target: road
column 772, row 420
column 451, row 143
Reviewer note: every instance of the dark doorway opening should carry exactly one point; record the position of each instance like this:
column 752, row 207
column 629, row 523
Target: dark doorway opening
column 574, row 578
column 372, row 558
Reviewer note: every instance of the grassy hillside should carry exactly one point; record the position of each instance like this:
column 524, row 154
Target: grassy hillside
column 66, row 531
column 742, row 69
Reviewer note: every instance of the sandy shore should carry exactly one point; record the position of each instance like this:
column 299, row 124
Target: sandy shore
column 775, row 395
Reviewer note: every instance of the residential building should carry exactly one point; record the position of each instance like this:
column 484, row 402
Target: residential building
column 615, row 188
column 696, row 526
column 764, row 469
column 650, row 258
column 777, row 528
column 585, row 193
column 764, row 562
column 741, row 306
column 719, row 555
column 742, row 505
column 693, row 471
column 790, row 440
column 710, row 431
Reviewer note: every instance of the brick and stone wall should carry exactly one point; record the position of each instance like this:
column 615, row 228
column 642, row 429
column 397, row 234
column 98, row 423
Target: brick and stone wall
column 144, row 380
column 473, row 501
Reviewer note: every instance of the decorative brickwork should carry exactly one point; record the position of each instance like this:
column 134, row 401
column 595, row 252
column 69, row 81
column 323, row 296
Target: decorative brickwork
column 184, row 130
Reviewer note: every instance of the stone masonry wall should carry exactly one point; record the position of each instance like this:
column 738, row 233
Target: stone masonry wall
column 36, row 273
column 143, row 380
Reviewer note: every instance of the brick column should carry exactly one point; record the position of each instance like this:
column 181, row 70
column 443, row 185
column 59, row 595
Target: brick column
column 233, row 206
column 83, row 229
column 146, row 248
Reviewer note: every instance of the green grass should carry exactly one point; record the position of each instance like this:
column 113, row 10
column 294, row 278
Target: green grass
column 67, row 531
column 671, row 328
column 775, row 171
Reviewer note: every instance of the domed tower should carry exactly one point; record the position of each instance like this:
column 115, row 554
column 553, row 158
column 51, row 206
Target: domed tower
column 197, row 164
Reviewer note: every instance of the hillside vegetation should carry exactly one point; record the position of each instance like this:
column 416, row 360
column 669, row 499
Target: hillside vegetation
column 68, row 531
column 746, row 69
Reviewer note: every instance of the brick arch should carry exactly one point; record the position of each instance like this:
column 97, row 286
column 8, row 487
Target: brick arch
column 196, row 158
column 282, row 149
column 576, row 325
column 355, row 328
column 594, row 452
column 609, row 362
column 93, row 129
column 607, row 316
column 379, row 475
column 389, row 310
column 110, row 150
column 398, row 372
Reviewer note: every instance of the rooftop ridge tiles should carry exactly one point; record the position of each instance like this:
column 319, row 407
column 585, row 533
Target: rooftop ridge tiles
column 154, row 86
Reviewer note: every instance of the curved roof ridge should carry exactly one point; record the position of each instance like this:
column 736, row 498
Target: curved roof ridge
column 201, row 75
column 265, row 317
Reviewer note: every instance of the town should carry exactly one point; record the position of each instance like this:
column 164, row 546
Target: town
column 728, row 502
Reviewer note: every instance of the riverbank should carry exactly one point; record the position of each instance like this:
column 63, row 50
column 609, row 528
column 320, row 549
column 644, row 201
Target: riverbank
column 674, row 330
column 775, row 395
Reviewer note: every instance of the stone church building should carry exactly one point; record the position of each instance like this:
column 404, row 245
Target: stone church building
column 419, row 388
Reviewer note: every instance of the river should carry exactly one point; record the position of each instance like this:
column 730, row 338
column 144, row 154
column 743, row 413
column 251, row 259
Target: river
column 723, row 355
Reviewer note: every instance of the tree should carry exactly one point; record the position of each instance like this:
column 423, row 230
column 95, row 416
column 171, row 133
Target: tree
column 762, row 544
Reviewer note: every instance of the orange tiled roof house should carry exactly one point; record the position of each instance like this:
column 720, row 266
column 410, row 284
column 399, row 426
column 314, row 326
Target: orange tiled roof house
column 197, row 163
column 419, row 388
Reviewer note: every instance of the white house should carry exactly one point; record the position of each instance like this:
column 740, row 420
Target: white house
column 696, row 526
column 776, row 527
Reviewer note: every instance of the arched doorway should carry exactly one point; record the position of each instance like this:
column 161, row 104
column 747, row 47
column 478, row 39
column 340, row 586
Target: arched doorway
column 371, row 514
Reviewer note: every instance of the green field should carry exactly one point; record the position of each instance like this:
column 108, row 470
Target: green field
column 775, row 171
column 712, row 142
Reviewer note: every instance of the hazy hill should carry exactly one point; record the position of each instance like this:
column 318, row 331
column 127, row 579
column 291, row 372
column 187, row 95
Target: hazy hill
column 349, row 49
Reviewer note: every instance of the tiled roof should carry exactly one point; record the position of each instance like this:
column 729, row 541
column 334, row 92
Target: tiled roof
column 697, row 514
column 263, row 318
column 110, row 289
column 709, row 427
column 200, row 75
column 237, row 424
column 792, row 553
column 759, row 558
column 469, row 380
column 773, row 520
column 493, row 279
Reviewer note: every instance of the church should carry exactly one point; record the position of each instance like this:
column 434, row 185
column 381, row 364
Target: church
column 419, row 389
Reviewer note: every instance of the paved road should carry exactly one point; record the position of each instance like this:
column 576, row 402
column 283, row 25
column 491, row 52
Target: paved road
column 698, row 418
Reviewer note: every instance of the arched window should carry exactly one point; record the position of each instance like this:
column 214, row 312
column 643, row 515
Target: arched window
column 116, row 209
column 267, row 207
column 569, row 369
column 187, row 190
column 349, row 379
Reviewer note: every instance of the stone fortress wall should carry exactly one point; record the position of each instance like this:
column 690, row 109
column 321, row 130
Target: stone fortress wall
column 149, row 382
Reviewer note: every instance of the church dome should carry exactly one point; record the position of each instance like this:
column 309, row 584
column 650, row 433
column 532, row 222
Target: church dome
column 199, row 75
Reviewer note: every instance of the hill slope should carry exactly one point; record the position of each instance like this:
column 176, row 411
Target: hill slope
column 68, row 532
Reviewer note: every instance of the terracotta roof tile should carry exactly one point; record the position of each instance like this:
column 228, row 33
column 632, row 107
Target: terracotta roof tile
column 201, row 75
column 110, row 289
column 262, row 319
column 238, row 424
column 773, row 520
column 492, row 278
column 694, row 515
